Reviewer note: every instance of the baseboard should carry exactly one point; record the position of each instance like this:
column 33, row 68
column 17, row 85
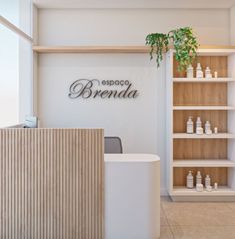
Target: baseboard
column 164, row 192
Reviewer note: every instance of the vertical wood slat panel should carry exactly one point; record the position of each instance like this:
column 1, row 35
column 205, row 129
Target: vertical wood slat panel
column 51, row 183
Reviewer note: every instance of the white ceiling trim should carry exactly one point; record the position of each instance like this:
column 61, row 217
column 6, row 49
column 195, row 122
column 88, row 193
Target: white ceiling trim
column 176, row 4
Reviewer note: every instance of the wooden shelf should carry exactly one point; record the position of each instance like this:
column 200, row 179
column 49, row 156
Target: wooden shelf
column 204, row 163
column 203, row 107
column 91, row 49
column 119, row 49
column 203, row 136
column 203, row 80
column 222, row 191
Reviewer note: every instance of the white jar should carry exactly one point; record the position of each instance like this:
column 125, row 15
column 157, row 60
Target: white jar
column 190, row 180
column 199, row 130
column 208, row 188
column 199, row 187
column 207, row 181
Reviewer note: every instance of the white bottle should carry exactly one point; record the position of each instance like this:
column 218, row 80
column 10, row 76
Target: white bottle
column 207, row 181
column 199, row 122
column 216, row 74
column 199, row 178
column 207, row 127
column 190, row 180
column 208, row 72
column 190, row 126
column 199, row 72
column 190, row 71
column 216, row 186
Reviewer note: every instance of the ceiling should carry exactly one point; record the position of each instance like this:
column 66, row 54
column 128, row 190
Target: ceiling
column 134, row 3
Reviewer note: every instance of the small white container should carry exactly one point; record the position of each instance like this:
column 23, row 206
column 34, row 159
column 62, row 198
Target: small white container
column 199, row 178
column 190, row 180
column 216, row 130
column 208, row 72
column 199, row 72
column 199, row 130
column 208, row 188
column 208, row 128
column 216, row 74
column 199, row 187
column 207, row 181
column 198, row 122
column 216, row 186
column 190, row 71
column 190, row 126
column 209, row 132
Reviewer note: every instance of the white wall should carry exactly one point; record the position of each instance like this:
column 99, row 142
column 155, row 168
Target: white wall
column 140, row 122
column 232, row 25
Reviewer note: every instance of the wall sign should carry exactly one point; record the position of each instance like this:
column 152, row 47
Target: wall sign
column 85, row 88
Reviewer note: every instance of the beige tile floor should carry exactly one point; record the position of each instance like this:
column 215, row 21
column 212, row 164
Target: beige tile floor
column 192, row 220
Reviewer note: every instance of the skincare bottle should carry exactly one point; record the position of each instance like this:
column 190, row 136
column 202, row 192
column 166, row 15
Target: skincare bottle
column 199, row 178
column 207, row 181
column 190, row 126
column 199, row 129
column 208, row 127
column 216, row 74
column 216, row 130
column 208, row 72
column 199, row 122
column 190, row 180
column 190, row 71
column 199, row 72
column 216, row 186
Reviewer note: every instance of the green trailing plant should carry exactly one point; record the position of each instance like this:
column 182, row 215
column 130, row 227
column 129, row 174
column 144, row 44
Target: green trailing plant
column 182, row 40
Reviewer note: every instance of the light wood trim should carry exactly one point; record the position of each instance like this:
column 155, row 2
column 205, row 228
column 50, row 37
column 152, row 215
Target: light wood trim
column 51, row 183
column 212, row 163
column 106, row 49
column 15, row 29
column 91, row 49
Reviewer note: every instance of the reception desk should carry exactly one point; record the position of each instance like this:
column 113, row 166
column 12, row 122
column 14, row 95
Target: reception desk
column 132, row 196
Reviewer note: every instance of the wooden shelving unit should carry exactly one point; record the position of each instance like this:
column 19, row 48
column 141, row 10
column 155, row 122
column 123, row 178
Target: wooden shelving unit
column 211, row 99
column 113, row 49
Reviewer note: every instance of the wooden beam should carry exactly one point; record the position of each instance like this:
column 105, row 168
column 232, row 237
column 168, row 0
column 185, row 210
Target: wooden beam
column 91, row 49
column 108, row 49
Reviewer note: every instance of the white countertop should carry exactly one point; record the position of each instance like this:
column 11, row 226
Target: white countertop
column 131, row 158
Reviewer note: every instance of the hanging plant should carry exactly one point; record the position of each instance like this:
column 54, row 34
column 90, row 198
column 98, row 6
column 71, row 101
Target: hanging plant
column 183, row 41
